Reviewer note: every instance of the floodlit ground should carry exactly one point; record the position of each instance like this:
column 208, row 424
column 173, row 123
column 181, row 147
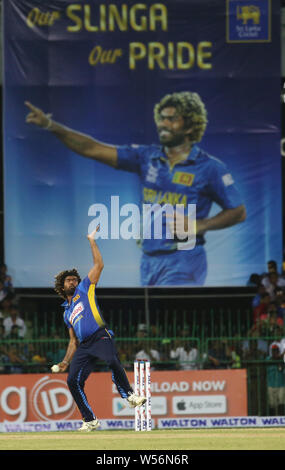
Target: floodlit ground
column 211, row 439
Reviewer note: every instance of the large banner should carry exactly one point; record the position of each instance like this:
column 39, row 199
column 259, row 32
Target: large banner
column 135, row 115
column 180, row 395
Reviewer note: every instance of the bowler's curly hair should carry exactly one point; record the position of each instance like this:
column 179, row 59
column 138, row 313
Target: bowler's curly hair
column 190, row 106
column 59, row 281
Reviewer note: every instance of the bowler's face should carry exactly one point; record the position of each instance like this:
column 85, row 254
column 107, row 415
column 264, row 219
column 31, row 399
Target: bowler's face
column 171, row 128
column 70, row 284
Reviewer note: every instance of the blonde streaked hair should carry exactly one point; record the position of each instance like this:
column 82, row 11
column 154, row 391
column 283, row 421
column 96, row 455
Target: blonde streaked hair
column 190, row 106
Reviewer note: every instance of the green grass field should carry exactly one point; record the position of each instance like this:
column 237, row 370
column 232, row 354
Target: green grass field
column 211, row 439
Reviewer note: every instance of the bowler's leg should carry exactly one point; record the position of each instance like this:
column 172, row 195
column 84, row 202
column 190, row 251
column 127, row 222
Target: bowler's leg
column 105, row 350
column 80, row 368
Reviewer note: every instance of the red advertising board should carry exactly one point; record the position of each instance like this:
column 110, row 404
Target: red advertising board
column 45, row 397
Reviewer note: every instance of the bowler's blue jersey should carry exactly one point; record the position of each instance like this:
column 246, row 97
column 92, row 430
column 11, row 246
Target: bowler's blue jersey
column 200, row 179
column 83, row 313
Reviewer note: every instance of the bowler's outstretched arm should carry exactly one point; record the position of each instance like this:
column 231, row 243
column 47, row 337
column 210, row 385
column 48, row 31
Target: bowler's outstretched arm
column 95, row 273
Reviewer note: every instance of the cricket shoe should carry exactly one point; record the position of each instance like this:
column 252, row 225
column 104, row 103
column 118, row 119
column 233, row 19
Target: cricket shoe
column 134, row 400
column 89, row 425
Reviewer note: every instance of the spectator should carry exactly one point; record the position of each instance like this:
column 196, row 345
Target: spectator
column 276, row 344
column 36, row 362
column 186, row 354
column 282, row 348
column 235, row 353
column 3, row 290
column 145, row 351
column 29, row 330
column 272, row 282
column 14, row 319
column 275, row 382
column 3, row 350
column 254, row 343
column 281, row 345
column 280, row 301
column 184, row 350
column 39, row 364
column 142, row 330
column 236, row 360
column 16, row 357
column 257, row 298
column 16, row 360
column 270, row 324
column 217, row 357
column 254, row 348
column 7, row 304
column 271, row 268
column 14, row 333
column 5, row 278
column 262, row 308
column 254, row 280
column 165, row 356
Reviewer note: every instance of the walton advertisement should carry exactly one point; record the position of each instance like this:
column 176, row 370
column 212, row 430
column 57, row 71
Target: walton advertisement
column 158, row 120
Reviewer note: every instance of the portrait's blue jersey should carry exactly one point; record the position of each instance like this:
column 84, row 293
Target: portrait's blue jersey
column 83, row 313
column 200, row 179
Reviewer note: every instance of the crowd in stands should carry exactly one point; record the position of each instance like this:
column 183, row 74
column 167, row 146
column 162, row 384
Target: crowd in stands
column 17, row 354
column 268, row 304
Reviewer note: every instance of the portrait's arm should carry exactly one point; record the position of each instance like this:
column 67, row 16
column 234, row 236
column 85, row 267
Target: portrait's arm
column 78, row 142
column 225, row 218
column 224, row 192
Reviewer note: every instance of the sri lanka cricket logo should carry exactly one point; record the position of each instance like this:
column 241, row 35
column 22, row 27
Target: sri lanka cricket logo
column 248, row 12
